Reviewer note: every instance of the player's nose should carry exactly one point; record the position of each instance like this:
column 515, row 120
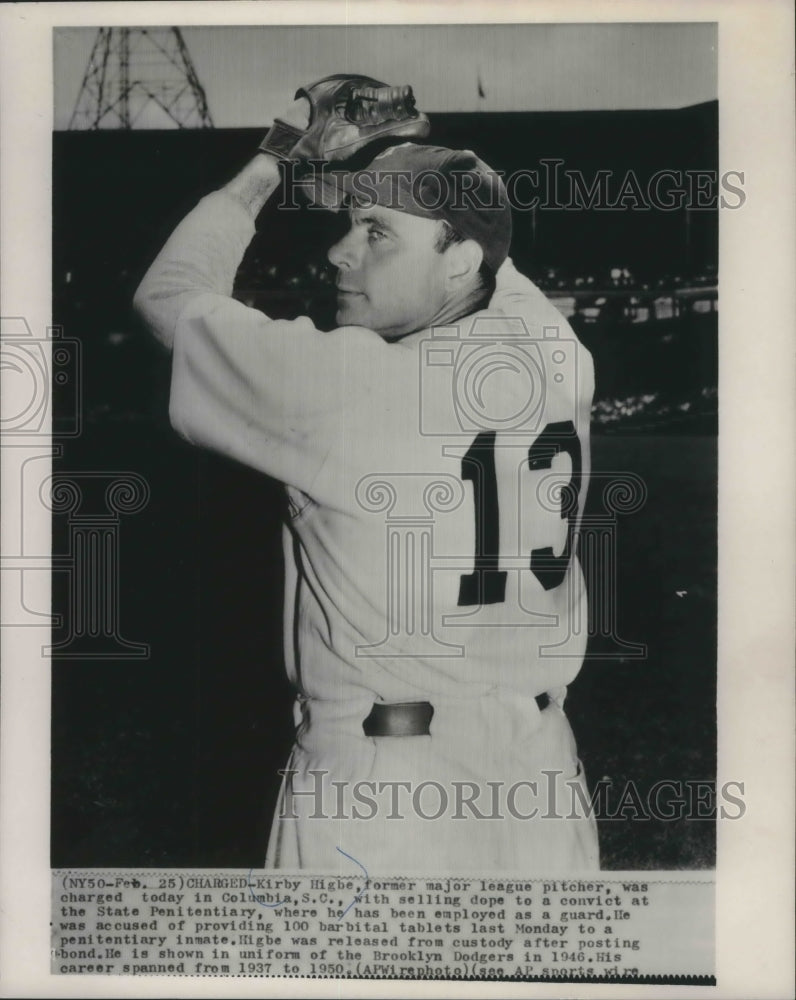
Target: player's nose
column 343, row 253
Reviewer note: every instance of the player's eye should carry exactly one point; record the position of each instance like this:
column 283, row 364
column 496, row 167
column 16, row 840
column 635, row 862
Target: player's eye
column 376, row 235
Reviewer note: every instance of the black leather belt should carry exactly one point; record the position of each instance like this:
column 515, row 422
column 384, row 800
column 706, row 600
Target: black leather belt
column 410, row 718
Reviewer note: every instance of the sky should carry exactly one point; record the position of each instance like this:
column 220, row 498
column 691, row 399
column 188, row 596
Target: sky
column 251, row 73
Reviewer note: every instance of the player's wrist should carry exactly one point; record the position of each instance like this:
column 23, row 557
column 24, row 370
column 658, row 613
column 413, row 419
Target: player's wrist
column 256, row 182
column 280, row 139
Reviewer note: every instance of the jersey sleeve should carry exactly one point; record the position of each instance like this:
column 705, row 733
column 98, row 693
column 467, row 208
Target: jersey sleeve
column 270, row 394
column 201, row 255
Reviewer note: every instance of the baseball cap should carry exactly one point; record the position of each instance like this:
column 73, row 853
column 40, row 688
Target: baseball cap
column 434, row 182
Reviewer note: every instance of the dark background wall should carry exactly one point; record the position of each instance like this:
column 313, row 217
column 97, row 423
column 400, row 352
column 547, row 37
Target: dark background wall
column 172, row 760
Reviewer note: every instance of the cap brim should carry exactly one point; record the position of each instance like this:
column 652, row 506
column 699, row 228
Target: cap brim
column 329, row 189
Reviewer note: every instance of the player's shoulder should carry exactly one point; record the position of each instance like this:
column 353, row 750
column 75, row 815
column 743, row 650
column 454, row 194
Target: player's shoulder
column 343, row 340
column 356, row 335
column 528, row 324
column 531, row 304
column 535, row 319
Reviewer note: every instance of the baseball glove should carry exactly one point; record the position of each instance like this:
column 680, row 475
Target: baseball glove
column 347, row 113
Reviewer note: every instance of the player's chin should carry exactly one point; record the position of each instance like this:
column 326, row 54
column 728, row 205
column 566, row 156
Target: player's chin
column 351, row 310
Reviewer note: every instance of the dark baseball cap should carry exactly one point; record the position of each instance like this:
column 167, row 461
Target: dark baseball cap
column 452, row 185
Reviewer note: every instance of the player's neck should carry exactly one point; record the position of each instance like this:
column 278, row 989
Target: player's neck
column 455, row 309
column 450, row 312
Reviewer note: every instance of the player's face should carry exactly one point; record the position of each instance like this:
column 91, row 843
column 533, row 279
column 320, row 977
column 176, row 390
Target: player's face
column 390, row 278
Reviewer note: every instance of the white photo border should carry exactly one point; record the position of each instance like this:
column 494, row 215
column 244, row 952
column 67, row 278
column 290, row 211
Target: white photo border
column 754, row 913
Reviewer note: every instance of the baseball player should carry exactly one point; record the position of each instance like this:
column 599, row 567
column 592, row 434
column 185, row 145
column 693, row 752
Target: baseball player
column 435, row 452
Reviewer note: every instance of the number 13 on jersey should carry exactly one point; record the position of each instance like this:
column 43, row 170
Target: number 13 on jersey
column 526, row 496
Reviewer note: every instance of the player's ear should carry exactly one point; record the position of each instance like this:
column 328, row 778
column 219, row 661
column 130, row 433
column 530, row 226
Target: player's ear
column 462, row 261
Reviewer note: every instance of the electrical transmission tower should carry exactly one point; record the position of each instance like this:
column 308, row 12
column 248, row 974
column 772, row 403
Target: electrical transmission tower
column 140, row 77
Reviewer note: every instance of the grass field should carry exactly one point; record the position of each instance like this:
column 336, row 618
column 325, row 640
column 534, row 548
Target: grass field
column 172, row 760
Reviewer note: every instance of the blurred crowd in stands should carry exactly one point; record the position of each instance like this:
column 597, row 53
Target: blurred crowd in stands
column 617, row 294
column 654, row 340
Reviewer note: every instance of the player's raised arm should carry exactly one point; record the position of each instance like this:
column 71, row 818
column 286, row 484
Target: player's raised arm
column 204, row 251
column 329, row 121
column 268, row 393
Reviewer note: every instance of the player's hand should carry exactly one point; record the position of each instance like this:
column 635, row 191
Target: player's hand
column 298, row 114
column 336, row 117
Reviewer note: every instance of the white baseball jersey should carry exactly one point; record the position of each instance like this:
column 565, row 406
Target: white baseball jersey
column 435, row 489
